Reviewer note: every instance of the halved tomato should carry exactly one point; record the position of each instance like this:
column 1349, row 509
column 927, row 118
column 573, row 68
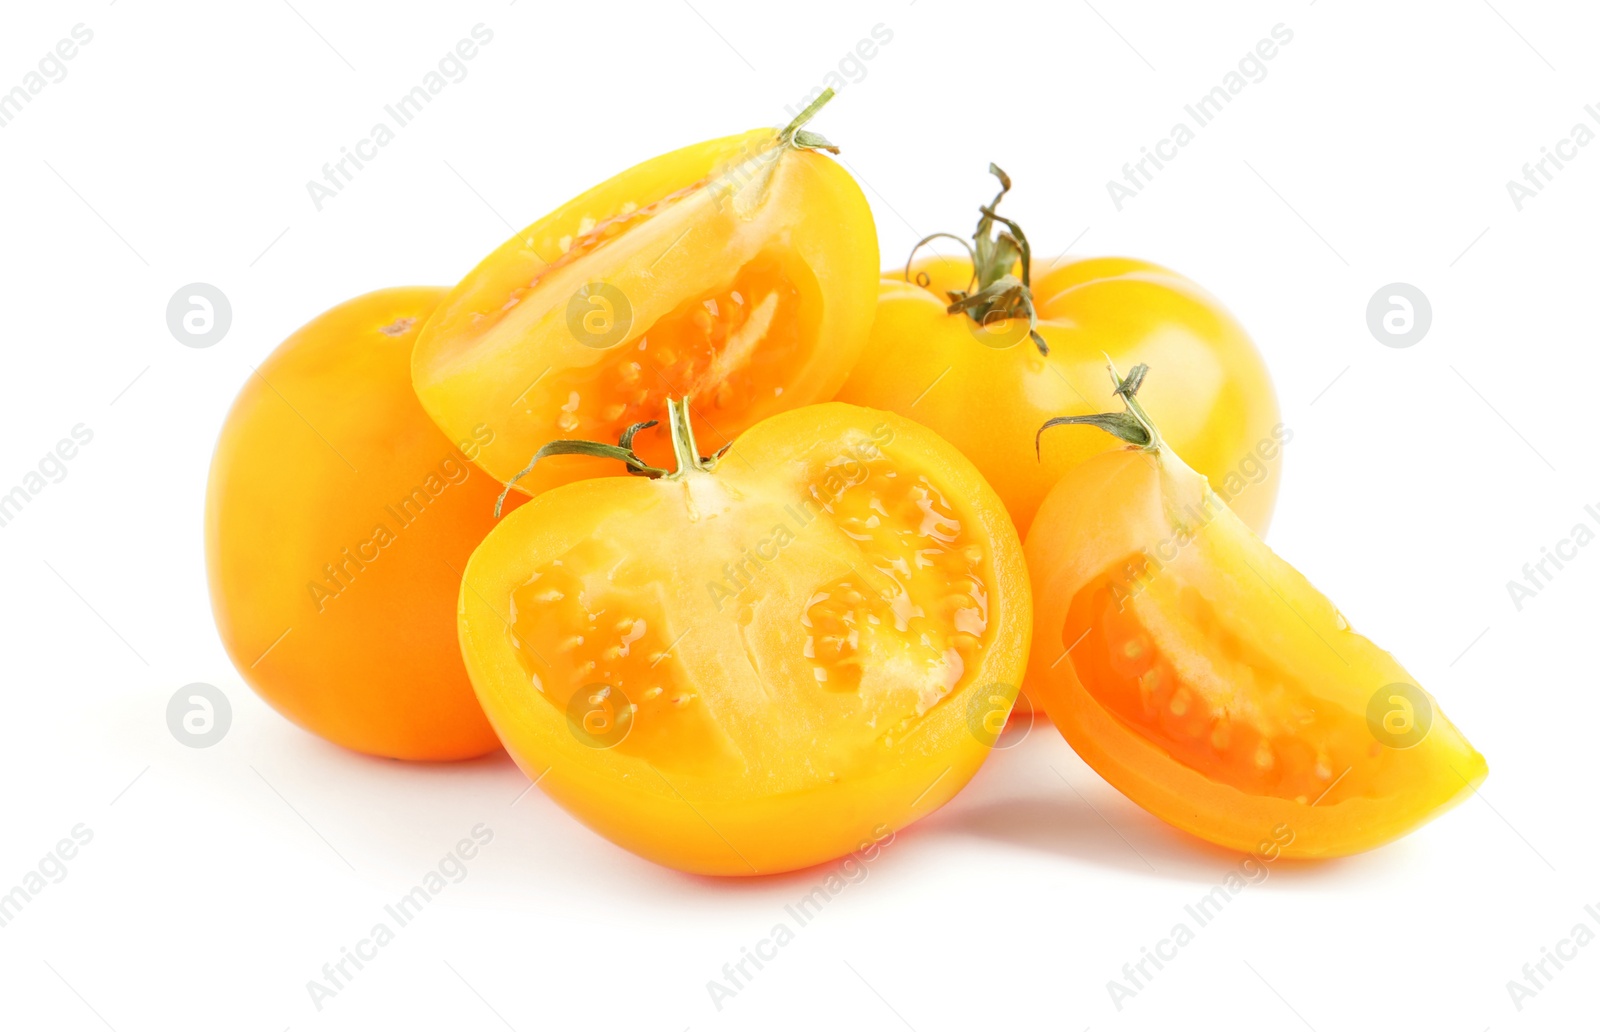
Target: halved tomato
column 758, row 662
column 1206, row 679
column 740, row 272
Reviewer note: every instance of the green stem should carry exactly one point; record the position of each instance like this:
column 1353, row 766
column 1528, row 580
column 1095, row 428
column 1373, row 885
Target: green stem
column 685, row 453
column 793, row 135
column 1132, row 425
column 683, row 447
column 934, row 236
column 995, row 290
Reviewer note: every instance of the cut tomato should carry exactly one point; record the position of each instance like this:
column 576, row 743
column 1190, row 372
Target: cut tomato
column 749, row 665
column 1205, row 678
column 740, row 273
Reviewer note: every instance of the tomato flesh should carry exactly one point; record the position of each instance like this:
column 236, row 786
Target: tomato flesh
column 782, row 652
column 729, row 350
column 1170, row 666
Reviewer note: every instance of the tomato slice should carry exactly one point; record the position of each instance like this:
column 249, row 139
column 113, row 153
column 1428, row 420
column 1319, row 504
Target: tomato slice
column 750, row 667
column 739, row 272
column 1205, row 678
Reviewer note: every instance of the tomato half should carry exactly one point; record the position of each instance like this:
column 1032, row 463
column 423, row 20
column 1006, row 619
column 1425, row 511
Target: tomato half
column 977, row 378
column 740, row 272
column 759, row 663
column 338, row 519
column 1206, row 679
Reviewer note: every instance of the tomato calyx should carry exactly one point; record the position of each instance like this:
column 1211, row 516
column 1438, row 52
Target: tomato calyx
column 1132, row 426
column 793, row 135
column 684, row 451
column 999, row 294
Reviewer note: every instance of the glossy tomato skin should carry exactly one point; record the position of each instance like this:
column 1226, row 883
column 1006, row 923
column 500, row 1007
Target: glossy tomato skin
column 740, row 272
column 762, row 667
column 1206, row 679
column 337, row 520
column 987, row 390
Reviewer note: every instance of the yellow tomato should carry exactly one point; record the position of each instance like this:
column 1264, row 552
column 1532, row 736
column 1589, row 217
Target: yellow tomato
column 740, row 272
column 974, row 375
column 1206, row 679
column 760, row 662
column 338, row 519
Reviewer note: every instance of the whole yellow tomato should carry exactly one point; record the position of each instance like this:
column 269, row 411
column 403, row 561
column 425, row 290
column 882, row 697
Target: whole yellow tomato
column 739, row 272
column 338, row 519
column 1206, row 679
column 754, row 663
column 984, row 351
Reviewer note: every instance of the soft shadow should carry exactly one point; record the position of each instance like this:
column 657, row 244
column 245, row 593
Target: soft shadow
column 1069, row 828
column 394, row 818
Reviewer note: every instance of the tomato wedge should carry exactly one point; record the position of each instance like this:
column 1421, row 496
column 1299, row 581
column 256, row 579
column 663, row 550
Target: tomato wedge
column 1206, row 679
column 759, row 662
column 740, row 272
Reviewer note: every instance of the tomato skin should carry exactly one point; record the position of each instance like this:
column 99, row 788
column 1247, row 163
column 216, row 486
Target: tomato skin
column 337, row 519
column 739, row 271
column 1214, row 400
column 749, row 751
column 1273, row 740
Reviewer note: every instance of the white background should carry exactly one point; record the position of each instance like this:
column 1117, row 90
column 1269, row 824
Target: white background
column 1419, row 481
